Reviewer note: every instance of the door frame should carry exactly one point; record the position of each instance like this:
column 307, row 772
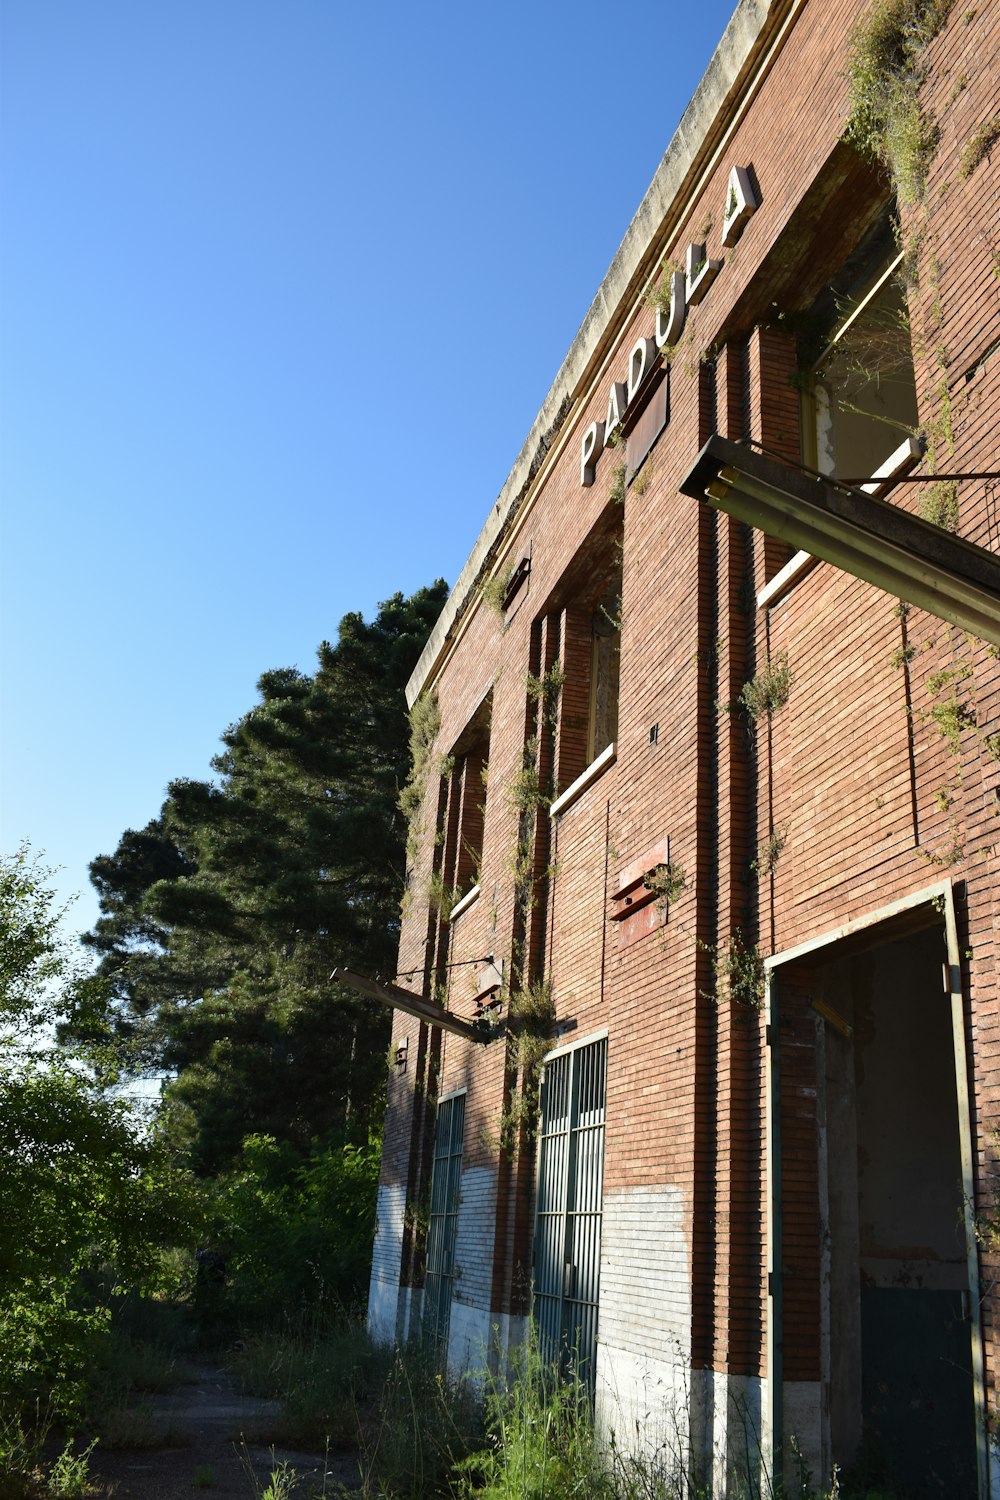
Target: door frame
column 940, row 897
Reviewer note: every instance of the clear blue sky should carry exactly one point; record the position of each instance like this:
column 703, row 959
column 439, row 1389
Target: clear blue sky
column 282, row 288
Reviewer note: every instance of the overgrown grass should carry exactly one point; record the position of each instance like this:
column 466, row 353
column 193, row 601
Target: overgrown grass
column 23, row 1474
column 540, row 1443
column 326, row 1376
column 422, row 1431
column 141, row 1351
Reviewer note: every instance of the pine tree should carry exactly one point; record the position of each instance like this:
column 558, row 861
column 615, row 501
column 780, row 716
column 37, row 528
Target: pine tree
column 222, row 919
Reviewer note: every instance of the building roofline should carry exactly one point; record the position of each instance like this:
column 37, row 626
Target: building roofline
column 745, row 40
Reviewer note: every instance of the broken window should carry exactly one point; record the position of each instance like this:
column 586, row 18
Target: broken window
column 862, row 390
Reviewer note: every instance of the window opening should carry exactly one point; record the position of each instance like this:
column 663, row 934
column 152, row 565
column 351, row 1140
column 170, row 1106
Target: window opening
column 605, row 658
column 463, row 815
column 443, row 1221
column 584, row 615
column 569, row 1206
column 862, row 391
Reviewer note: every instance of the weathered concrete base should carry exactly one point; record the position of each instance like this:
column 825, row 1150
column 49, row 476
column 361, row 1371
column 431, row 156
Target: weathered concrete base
column 731, row 1411
column 683, row 1421
column 803, row 1427
column 470, row 1335
column 409, row 1314
column 644, row 1405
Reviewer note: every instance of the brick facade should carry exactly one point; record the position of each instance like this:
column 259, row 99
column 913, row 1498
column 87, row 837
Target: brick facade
column 735, row 1238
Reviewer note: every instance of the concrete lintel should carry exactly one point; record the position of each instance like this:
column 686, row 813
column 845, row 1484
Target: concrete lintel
column 695, row 137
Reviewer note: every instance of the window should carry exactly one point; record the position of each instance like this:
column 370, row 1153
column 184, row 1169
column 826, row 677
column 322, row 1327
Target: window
column 864, row 397
column 443, row 1225
column 605, row 656
column 463, row 810
column 568, row 1211
column 590, row 628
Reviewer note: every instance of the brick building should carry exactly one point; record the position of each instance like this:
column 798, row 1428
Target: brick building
column 705, row 802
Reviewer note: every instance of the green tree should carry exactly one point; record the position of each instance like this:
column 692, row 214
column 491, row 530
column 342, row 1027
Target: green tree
column 222, row 919
column 81, row 1185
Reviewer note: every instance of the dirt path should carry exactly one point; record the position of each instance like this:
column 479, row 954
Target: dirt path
column 201, row 1425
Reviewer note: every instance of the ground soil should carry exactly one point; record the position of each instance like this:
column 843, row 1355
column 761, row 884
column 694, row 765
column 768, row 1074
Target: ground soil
column 209, row 1439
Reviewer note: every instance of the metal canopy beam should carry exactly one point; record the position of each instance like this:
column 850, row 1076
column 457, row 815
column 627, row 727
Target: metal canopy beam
column 870, row 538
column 406, row 1000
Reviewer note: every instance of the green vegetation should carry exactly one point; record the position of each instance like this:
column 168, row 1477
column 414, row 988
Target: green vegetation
column 739, row 973
column 545, row 689
column 886, row 68
column 87, row 1199
column 768, row 691
column 978, row 146
column 220, row 922
column 530, row 1019
column 666, row 882
column 524, row 790
column 770, row 851
column 950, row 712
column 494, row 591
column 223, row 918
column 939, row 504
column 619, row 484
column 425, row 721
column 423, row 1435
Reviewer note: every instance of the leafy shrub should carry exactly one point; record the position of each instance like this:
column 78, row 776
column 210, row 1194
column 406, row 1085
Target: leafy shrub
column 298, row 1231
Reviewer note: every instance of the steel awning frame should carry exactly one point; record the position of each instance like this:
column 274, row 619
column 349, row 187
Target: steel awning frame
column 870, row 538
column 406, row 1000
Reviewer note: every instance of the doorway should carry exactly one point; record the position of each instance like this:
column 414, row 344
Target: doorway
column 868, row 1044
column 901, row 1398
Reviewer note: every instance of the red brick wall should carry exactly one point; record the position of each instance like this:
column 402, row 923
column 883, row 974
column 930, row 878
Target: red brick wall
column 853, row 772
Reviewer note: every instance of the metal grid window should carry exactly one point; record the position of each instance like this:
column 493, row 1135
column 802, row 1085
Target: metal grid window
column 443, row 1225
column 568, row 1215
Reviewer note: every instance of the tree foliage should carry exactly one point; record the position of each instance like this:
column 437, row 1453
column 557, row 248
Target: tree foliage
column 222, row 919
column 81, row 1185
column 299, row 1230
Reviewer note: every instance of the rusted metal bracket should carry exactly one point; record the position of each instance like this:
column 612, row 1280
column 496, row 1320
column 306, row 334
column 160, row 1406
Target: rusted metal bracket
column 406, row 1000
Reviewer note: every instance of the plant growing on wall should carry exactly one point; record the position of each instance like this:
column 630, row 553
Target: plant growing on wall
column 939, row 504
column 770, row 851
column 885, row 70
column 950, row 713
column 494, row 591
column 619, row 485
column 978, row 146
column 545, row 689
column 441, row 897
column 768, row 690
column 425, row 722
column 666, row 882
column 530, row 1019
column 739, row 974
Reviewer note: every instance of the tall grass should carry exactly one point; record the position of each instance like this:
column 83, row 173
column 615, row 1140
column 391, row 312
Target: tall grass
column 541, row 1443
column 325, row 1373
column 421, row 1434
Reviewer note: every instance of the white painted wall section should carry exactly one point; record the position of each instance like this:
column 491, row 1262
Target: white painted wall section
column 387, row 1259
column 469, row 1333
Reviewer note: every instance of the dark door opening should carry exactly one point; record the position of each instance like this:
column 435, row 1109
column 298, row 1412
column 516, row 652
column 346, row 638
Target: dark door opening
column 899, row 1372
